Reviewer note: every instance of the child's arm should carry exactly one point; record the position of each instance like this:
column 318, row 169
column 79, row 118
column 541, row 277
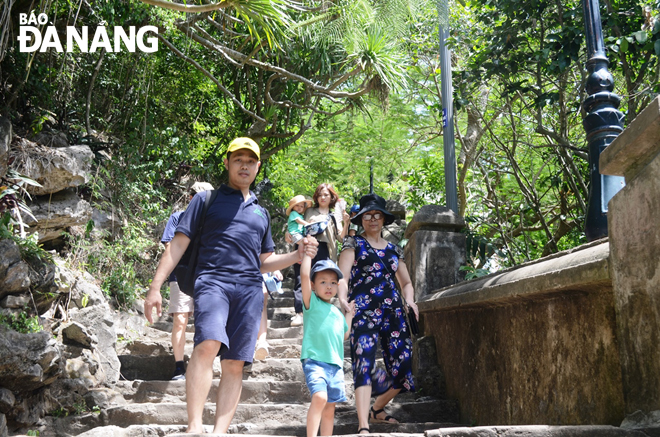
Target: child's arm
column 301, row 222
column 305, row 282
column 349, row 319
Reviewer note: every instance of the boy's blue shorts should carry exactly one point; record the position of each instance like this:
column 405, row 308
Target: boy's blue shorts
column 228, row 313
column 324, row 377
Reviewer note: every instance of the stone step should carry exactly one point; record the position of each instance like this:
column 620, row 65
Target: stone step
column 166, row 325
column 283, row 369
column 279, row 350
column 157, row 342
column 280, row 301
column 279, row 323
column 254, row 392
column 148, row 368
column 268, row 417
column 282, row 364
column 287, row 332
column 377, row 430
column 281, row 313
column 157, row 363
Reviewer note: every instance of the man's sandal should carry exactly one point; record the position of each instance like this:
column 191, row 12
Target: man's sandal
column 364, row 429
column 373, row 417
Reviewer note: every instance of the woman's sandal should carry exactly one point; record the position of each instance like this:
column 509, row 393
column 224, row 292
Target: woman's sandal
column 373, row 417
column 364, row 429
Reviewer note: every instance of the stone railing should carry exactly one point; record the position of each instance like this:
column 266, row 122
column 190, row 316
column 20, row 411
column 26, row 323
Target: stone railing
column 517, row 346
column 570, row 339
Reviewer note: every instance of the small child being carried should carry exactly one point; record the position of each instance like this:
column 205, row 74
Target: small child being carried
column 297, row 206
column 322, row 352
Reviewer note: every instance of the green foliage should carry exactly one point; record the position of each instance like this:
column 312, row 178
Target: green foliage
column 473, row 272
column 29, row 246
column 59, row 412
column 80, row 407
column 518, row 86
column 124, row 266
column 341, row 150
column 426, row 179
column 32, row 432
column 13, row 193
column 22, row 322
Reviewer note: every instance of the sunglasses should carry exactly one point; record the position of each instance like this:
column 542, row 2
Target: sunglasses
column 376, row 216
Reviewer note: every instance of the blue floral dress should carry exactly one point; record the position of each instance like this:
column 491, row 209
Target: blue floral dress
column 379, row 316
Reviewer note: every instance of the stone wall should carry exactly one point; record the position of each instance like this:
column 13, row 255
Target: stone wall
column 634, row 226
column 435, row 250
column 534, row 344
column 573, row 338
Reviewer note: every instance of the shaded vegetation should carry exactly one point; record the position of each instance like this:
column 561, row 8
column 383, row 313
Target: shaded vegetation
column 329, row 89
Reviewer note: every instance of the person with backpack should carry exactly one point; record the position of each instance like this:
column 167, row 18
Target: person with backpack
column 235, row 248
column 181, row 305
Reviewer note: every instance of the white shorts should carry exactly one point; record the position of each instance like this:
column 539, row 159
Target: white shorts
column 180, row 302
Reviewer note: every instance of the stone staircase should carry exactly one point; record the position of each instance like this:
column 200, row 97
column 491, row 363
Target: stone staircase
column 274, row 400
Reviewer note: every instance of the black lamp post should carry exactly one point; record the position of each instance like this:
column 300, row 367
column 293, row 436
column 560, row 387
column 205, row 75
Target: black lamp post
column 603, row 123
column 371, row 177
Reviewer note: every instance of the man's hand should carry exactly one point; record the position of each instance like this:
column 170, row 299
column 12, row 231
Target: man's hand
column 287, row 237
column 310, row 246
column 173, row 252
column 153, row 300
column 278, row 275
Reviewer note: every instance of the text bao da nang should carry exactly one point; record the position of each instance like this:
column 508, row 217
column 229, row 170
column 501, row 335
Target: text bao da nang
column 31, row 39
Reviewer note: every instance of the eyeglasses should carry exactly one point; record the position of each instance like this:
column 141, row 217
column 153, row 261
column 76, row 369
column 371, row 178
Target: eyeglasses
column 376, row 216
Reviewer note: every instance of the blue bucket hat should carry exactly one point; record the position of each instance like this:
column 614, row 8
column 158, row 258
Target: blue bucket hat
column 325, row 264
column 372, row 202
column 354, row 209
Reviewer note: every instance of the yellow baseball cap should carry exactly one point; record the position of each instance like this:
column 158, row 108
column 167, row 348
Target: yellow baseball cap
column 244, row 143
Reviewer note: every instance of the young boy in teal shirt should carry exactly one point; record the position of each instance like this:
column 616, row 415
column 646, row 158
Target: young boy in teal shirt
column 322, row 353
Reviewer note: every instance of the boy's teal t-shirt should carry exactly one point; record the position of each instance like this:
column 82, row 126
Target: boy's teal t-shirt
column 324, row 327
column 293, row 226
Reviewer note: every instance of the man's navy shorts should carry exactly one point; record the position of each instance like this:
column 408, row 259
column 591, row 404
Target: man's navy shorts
column 228, row 313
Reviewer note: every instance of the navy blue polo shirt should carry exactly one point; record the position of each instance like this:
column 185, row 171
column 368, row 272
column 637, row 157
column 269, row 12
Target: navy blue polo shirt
column 168, row 234
column 235, row 233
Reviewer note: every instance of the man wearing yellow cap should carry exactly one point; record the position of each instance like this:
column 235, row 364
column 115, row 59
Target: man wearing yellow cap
column 236, row 246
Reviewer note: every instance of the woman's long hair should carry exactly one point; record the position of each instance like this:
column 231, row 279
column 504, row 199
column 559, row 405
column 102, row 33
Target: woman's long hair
column 333, row 195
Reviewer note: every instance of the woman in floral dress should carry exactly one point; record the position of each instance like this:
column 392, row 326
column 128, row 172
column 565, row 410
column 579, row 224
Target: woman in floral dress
column 369, row 265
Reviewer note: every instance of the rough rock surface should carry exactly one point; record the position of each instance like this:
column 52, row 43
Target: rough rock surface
column 14, row 272
column 52, row 139
column 99, row 321
column 634, row 233
column 105, row 223
column 56, row 213
column 5, row 141
column 640, row 420
column 28, row 361
column 55, row 169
